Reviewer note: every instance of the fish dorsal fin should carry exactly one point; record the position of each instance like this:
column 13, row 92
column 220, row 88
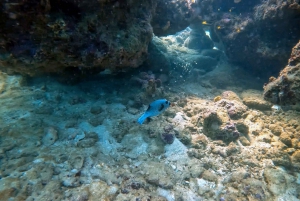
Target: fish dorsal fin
column 161, row 107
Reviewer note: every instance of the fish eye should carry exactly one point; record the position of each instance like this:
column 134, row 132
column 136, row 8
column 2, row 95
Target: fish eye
column 167, row 102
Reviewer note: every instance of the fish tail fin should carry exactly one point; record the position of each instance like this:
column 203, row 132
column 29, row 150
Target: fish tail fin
column 142, row 118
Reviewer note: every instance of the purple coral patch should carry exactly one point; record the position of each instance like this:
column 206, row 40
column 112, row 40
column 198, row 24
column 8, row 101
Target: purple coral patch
column 168, row 138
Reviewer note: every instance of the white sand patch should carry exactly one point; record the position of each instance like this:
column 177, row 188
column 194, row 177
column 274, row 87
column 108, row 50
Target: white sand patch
column 135, row 145
column 107, row 143
column 180, row 120
column 176, row 151
column 169, row 195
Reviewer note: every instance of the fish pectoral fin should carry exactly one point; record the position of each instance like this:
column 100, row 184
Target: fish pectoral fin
column 161, row 107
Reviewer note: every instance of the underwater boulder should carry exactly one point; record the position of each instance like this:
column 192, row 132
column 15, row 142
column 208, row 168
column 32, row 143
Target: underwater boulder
column 230, row 95
column 197, row 39
column 218, row 126
column 284, row 90
column 169, row 18
column 257, row 104
column 295, row 55
column 260, row 41
column 296, row 157
column 158, row 59
column 235, row 109
column 198, row 42
column 72, row 36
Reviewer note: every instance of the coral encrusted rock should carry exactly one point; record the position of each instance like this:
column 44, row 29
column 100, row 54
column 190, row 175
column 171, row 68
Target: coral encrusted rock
column 259, row 40
column 218, row 126
column 197, row 39
column 174, row 16
column 284, row 90
column 62, row 36
column 295, row 55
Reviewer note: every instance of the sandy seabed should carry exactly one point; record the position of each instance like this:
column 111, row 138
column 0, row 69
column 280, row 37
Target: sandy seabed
column 220, row 141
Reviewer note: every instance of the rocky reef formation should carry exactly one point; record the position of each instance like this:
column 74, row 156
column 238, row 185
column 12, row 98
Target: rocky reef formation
column 244, row 30
column 71, row 36
column 284, row 90
column 82, row 142
column 197, row 39
column 260, row 40
column 221, row 120
column 182, row 55
column 171, row 17
column 57, row 36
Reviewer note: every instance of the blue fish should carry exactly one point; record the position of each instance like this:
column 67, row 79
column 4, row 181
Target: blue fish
column 154, row 109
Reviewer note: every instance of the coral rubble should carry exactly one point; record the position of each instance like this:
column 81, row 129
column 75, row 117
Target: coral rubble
column 82, row 142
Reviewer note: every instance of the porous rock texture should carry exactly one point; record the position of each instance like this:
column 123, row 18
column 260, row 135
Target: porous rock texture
column 244, row 30
column 70, row 35
column 266, row 33
column 102, row 153
column 77, row 36
column 90, row 36
column 284, row 89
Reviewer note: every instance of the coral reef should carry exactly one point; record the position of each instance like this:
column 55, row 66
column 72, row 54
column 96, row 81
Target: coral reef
column 174, row 16
column 171, row 17
column 234, row 108
column 220, row 121
column 217, row 126
column 83, row 142
column 171, row 52
column 168, row 136
column 295, row 55
column 81, row 38
column 150, row 84
column 101, row 152
column 217, row 98
column 62, row 36
column 254, row 99
column 284, row 90
column 266, row 34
